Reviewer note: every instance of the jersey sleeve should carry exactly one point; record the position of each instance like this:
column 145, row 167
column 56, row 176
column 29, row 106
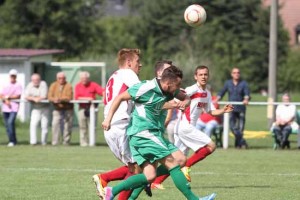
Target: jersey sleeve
column 140, row 92
column 190, row 90
column 130, row 78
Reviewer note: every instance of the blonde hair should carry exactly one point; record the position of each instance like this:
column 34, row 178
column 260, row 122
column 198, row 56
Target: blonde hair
column 125, row 54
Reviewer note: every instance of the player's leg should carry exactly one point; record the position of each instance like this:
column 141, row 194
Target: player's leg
column 199, row 142
column 148, row 175
column 178, row 177
column 178, row 156
column 118, row 143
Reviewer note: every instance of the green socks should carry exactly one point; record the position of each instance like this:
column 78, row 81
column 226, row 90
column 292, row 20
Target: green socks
column 130, row 183
column 182, row 184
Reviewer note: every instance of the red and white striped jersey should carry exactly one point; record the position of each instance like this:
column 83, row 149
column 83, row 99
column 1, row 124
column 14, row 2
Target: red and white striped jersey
column 117, row 83
column 201, row 101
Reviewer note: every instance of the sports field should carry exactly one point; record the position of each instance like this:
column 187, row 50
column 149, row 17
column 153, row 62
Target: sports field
column 64, row 172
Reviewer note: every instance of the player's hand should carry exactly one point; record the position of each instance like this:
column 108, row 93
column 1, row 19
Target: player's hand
column 106, row 125
column 228, row 108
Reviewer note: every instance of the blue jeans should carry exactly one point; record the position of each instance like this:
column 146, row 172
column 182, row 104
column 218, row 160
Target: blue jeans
column 237, row 124
column 9, row 120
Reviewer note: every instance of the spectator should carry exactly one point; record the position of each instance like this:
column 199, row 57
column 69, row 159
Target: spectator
column 285, row 115
column 238, row 91
column 60, row 93
column 85, row 90
column 11, row 91
column 35, row 92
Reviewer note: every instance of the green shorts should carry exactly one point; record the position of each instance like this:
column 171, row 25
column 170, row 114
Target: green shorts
column 150, row 146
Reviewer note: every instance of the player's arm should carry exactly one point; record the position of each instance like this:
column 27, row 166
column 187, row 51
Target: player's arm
column 125, row 96
column 226, row 109
column 185, row 100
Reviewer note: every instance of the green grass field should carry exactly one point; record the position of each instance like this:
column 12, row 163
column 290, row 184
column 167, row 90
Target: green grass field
column 64, row 172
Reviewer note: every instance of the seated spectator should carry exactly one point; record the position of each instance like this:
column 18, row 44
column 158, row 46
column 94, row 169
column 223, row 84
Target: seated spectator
column 60, row 93
column 85, row 90
column 285, row 115
column 36, row 91
column 11, row 91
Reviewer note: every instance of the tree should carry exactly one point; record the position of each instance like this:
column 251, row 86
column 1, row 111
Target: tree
column 63, row 24
column 236, row 34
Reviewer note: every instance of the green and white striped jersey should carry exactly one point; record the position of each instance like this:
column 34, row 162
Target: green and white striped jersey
column 149, row 100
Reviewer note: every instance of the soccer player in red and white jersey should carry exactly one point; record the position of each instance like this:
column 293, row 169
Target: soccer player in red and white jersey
column 116, row 138
column 188, row 136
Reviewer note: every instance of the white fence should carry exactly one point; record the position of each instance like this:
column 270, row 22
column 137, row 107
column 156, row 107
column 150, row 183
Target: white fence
column 226, row 131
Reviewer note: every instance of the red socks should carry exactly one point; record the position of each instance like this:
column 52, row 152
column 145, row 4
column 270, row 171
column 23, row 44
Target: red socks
column 124, row 195
column 160, row 179
column 116, row 174
column 198, row 155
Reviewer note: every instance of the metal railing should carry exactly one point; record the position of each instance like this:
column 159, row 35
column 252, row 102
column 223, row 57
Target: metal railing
column 226, row 130
column 92, row 124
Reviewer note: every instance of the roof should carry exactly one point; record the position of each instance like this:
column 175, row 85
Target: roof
column 28, row 52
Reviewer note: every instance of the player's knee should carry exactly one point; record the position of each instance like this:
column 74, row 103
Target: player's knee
column 181, row 160
column 211, row 146
column 150, row 176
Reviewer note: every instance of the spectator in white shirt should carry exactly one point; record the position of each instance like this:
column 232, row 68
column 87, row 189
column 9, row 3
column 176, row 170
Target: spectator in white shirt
column 285, row 115
column 36, row 91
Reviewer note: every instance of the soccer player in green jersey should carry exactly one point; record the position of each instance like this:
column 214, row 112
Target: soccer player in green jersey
column 146, row 140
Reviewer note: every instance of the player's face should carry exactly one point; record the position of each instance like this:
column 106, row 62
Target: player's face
column 172, row 86
column 202, row 76
column 135, row 64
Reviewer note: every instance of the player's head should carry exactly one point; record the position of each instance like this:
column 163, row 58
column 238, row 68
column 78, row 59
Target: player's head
column 130, row 58
column 235, row 74
column 160, row 66
column 201, row 75
column 171, row 79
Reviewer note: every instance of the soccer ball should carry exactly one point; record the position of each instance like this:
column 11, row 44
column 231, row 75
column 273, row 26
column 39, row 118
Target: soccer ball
column 195, row 15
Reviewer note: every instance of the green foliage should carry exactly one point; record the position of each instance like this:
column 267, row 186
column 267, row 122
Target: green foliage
column 60, row 24
column 236, row 34
column 289, row 73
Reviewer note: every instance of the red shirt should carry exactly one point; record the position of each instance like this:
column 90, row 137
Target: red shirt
column 205, row 117
column 89, row 90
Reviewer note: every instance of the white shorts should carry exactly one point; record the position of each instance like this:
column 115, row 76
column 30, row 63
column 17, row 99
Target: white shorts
column 188, row 136
column 117, row 140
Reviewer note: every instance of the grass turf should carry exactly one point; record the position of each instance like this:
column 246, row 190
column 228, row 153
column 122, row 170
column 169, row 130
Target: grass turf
column 64, row 172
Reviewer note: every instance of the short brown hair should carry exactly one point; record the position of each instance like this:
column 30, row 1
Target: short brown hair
column 160, row 64
column 171, row 73
column 201, row 67
column 125, row 54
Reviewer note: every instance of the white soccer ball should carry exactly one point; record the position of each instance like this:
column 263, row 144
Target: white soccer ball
column 195, row 15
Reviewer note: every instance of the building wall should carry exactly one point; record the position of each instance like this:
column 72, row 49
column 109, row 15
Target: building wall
column 290, row 13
